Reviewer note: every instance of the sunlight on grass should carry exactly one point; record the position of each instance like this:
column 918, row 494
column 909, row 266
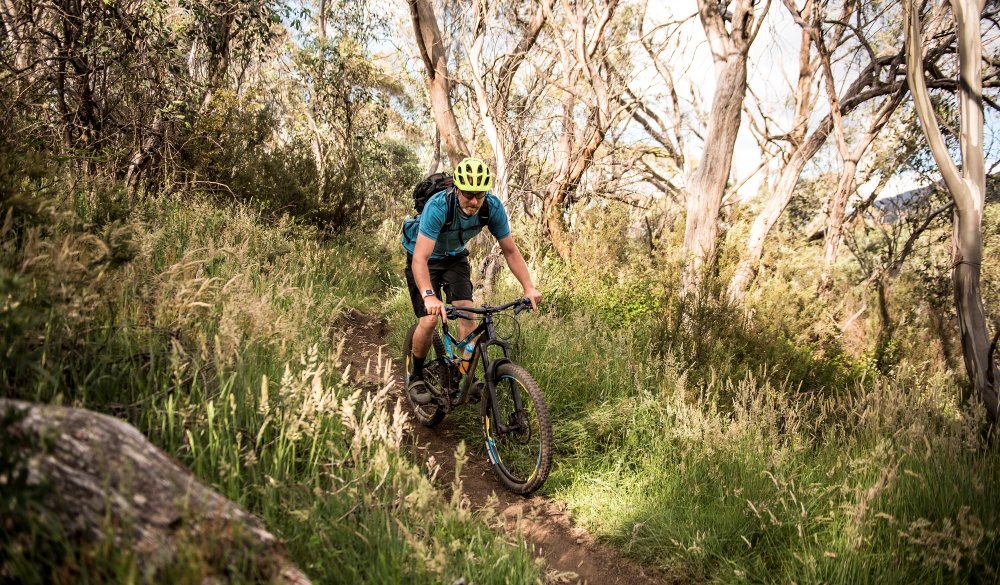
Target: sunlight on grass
column 752, row 479
column 755, row 478
column 215, row 338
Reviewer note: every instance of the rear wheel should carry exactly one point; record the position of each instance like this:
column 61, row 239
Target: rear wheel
column 431, row 414
column 519, row 443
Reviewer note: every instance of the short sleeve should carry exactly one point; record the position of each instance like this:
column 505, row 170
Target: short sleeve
column 499, row 225
column 432, row 217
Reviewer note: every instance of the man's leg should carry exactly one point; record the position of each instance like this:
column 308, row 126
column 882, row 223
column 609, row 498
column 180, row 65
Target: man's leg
column 465, row 326
column 458, row 277
column 424, row 332
column 422, row 336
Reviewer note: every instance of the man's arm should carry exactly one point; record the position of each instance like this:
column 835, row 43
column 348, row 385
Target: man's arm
column 422, row 250
column 517, row 265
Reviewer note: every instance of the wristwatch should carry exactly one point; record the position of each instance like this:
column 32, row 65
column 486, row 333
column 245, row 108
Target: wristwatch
column 428, row 293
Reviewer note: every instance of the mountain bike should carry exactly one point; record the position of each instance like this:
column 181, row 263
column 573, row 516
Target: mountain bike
column 513, row 413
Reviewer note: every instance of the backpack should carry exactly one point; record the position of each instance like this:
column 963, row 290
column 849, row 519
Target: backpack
column 428, row 187
column 435, row 183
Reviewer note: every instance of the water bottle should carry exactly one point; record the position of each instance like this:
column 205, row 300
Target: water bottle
column 466, row 363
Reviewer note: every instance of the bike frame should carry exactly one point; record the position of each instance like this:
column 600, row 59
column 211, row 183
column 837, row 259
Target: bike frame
column 485, row 337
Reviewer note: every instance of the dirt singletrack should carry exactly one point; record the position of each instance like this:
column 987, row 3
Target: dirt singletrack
column 571, row 555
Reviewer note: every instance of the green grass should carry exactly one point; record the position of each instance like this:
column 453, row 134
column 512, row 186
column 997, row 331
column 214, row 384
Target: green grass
column 709, row 449
column 211, row 332
column 751, row 479
column 750, row 472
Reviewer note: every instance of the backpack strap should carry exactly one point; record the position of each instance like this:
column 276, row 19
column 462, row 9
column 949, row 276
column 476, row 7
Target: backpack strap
column 451, row 217
column 484, row 213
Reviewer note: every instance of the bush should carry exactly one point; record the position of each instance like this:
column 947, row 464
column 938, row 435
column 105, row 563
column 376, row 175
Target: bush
column 215, row 340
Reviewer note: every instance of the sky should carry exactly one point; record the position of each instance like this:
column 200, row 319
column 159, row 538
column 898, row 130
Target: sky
column 771, row 74
column 772, row 70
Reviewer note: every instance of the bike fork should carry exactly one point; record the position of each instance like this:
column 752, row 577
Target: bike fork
column 501, row 427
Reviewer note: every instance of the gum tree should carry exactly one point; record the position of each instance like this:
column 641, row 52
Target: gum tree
column 967, row 185
column 730, row 28
column 432, row 51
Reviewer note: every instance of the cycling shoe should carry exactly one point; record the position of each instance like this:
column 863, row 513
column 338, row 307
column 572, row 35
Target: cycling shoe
column 420, row 392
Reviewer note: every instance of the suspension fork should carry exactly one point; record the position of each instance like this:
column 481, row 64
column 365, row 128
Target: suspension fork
column 490, row 368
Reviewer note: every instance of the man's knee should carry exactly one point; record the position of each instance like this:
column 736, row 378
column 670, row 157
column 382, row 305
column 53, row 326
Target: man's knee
column 427, row 322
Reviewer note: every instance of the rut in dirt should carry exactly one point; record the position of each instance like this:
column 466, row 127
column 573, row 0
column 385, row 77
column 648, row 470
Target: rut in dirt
column 570, row 553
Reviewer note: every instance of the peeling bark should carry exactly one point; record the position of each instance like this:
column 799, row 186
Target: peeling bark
column 428, row 38
column 730, row 48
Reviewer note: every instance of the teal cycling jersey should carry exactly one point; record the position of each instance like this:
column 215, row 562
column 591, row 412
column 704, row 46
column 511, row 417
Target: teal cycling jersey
column 463, row 228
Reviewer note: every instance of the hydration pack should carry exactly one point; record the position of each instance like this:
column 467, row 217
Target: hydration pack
column 435, row 183
column 428, row 187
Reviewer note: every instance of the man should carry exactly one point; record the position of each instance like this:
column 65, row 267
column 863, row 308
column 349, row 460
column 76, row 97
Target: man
column 437, row 259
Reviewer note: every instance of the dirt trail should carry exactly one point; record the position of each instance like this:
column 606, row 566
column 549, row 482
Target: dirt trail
column 570, row 553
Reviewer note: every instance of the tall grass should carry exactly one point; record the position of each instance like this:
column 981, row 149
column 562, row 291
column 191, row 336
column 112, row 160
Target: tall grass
column 750, row 478
column 210, row 329
column 749, row 468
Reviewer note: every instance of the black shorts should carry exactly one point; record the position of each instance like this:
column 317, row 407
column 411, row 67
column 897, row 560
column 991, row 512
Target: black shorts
column 451, row 274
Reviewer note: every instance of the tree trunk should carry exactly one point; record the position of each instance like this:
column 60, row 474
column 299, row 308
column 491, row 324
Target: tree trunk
column 746, row 270
column 835, row 221
column 555, row 224
column 967, row 186
column 704, row 194
column 110, row 482
column 575, row 150
column 16, row 20
column 428, row 37
column 145, row 154
column 492, row 119
column 976, row 347
column 708, row 183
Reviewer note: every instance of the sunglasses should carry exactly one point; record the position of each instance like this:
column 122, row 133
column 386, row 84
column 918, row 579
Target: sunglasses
column 476, row 196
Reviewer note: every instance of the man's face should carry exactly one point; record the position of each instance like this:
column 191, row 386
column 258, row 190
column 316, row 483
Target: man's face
column 470, row 202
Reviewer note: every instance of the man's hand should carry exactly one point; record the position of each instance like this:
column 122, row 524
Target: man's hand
column 532, row 294
column 435, row 307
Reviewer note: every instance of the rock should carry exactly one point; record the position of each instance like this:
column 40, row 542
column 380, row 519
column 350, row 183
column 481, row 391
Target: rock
column 108, row 480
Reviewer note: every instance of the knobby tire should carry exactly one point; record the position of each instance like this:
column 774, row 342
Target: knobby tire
column 521, row 459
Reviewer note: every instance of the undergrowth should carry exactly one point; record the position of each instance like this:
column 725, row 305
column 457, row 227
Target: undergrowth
column 757, row 458
column 210, row 329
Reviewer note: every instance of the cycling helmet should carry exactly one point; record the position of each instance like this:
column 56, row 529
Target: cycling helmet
column 472, row 175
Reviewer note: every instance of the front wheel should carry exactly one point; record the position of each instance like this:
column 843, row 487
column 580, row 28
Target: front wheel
column 431, row 414
column 519, row 443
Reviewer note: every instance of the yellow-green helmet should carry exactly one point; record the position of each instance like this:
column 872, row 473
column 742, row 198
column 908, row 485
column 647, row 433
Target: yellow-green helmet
column 472, row 175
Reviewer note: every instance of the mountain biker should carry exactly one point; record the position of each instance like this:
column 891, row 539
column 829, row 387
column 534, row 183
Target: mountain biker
column 437, row 259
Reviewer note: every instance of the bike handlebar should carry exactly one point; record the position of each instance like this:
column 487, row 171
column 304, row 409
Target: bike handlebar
column 523, row 304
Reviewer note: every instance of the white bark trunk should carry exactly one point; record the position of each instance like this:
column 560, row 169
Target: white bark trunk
column 776, row 204
column 708, row 183
column 707, row 186
column 967, row 187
